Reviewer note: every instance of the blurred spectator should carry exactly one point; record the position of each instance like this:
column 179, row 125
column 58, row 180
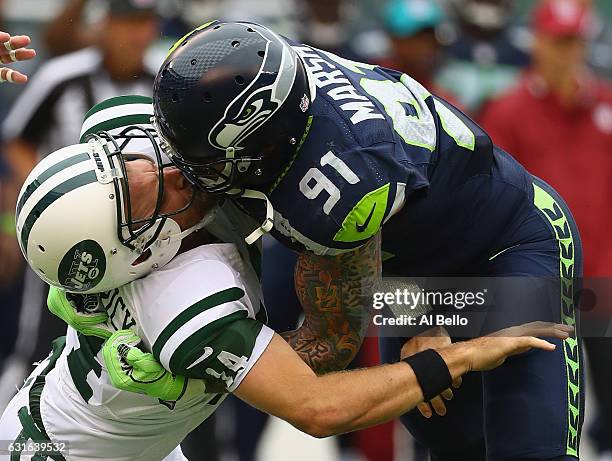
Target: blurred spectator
column 67, row 32
column 325, row 27
column 415, row 48
column 49, row 112
column 558, row 123
column 283, row 16
column 485, row 52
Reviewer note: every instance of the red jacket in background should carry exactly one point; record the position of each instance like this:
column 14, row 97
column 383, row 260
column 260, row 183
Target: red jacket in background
column 570, row 148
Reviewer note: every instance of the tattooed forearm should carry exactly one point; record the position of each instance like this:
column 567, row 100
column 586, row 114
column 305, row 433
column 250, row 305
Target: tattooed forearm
column 333, row 293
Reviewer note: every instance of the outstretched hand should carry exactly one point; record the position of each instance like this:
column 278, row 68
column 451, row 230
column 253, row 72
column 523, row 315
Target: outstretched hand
column 14, row 48
column 491, row 351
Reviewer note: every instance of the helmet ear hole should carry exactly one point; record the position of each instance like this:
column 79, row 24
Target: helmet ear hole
column 143, row 257
column 207, row 97
column 41, row 248
column 261, row 53
column 240, row 80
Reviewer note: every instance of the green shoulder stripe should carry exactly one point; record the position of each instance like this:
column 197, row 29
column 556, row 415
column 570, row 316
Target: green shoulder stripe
column 221, row 297
column 193, row 347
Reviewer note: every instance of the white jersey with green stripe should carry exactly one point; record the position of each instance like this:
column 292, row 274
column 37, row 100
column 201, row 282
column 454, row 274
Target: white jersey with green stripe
column 199, row 316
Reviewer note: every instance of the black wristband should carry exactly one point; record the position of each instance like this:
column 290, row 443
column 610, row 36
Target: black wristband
column 431, row 372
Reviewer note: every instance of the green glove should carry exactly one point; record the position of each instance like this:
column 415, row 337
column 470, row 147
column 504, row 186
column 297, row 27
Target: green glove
column 81, row 312
column 131, row 369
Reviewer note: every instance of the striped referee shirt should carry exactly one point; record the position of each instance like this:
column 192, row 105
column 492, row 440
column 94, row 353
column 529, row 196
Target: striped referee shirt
column 49, row 112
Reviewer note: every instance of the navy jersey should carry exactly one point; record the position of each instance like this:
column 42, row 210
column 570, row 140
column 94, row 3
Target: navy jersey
column 379, row 147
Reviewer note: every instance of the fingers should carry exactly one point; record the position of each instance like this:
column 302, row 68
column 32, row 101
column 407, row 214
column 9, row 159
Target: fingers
column 13, row 43
column 12, row 76
column 425, row 409
column 547, row 329
column 18, row 41
column 14, row 49
column 542, row 329
column 525, row 343
column 457, row 382
column 438, row 405
column 124, row 338
column 561, row 329
column 22, row 54
column 538, row 343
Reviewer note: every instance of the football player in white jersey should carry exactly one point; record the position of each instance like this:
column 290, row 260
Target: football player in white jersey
column 88, row 223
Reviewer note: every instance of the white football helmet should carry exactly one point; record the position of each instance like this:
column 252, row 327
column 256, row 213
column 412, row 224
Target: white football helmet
column 74, row 222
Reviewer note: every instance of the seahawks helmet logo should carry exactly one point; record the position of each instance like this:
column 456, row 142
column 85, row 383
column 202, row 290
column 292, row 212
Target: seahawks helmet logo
column 261, row 99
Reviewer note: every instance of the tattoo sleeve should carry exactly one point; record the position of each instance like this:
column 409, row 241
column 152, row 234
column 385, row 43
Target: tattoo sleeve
column 333, row 292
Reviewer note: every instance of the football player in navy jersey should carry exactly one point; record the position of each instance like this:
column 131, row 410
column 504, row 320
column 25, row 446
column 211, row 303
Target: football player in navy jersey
column 343, row 153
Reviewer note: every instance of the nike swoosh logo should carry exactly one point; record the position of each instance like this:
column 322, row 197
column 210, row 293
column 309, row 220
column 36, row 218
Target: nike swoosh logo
column 207, row 353
column 364, row 226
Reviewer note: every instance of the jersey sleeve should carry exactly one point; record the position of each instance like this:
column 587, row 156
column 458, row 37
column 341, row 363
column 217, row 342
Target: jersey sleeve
column 222, row 353
column 202, row 325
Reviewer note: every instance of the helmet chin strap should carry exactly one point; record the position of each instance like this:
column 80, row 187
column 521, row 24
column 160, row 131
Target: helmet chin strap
column 267, row 225
column 181, row 235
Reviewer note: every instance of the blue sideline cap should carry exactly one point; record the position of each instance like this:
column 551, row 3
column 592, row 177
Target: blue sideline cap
column 404, row 18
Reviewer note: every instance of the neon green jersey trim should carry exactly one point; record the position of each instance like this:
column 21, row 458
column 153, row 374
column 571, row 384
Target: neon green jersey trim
column 297, row 151
column 559, row 222
column 369, row 212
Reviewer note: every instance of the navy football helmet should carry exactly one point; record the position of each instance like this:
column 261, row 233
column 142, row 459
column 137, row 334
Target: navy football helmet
column 231, row 105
